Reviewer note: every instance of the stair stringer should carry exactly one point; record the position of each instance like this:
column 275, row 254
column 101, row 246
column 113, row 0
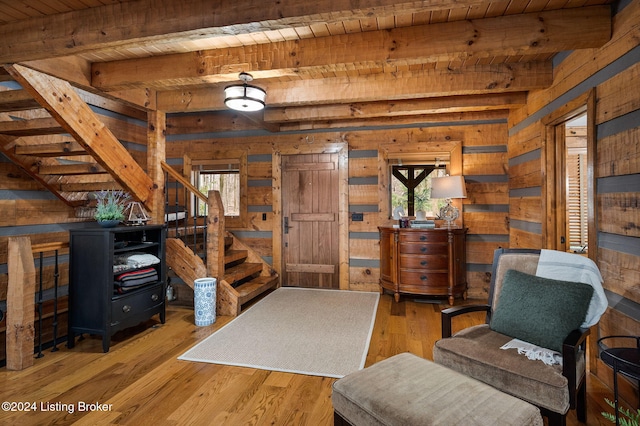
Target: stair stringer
column 184, row 262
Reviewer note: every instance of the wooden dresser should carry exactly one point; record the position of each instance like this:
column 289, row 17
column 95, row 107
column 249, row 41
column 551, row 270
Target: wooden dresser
column 423, row 261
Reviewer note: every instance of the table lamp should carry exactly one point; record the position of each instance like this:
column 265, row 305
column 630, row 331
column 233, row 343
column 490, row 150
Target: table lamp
column 448, row 187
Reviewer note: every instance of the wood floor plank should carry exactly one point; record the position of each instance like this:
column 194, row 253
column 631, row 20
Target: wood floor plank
column 145, row 383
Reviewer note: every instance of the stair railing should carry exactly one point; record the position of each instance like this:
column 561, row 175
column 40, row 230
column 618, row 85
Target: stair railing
column 181, row 227
column 24, row 298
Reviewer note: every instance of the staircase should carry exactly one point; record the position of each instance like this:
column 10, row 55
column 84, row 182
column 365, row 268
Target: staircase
column 52, row 131
column 241, row 273
column 49, row 129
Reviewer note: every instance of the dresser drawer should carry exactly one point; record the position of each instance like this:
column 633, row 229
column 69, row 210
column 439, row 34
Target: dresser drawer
column 427, row 262
column 132, row 305
column 421, row 278
column 426, row 236
column 424, row 248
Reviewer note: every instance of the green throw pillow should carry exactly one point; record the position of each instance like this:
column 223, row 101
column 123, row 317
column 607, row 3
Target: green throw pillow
column 540, row 310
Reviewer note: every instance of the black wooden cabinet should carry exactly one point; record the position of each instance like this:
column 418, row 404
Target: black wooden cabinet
column 96, row 304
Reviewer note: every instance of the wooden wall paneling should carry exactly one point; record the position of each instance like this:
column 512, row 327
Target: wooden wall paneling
column 259, row 170
column 8, row 212
column 526, row 140
column 523, row 239
column 618, row 154
column 368, row 224
column 496, row 223
column 363, row 167
column 619, row 213
column 486, row 192
column 364, row 249
column 364, row 279
column 14, row 178
column 525, row 175
column 479, row 283
column 484, row 163
column 363, row 194
column 259, row 196
column 526, row 209
column 621, row 273
column 614, row 97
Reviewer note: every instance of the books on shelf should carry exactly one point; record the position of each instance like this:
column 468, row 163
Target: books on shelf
column 422, row 224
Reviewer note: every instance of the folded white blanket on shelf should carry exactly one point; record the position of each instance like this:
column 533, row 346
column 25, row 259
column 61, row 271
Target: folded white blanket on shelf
column 534, row 352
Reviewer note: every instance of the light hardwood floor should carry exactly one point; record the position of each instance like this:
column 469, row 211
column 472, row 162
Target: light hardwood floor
column 143, row 383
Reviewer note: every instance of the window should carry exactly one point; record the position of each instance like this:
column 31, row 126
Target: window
column 411, row 188
column 222, row 176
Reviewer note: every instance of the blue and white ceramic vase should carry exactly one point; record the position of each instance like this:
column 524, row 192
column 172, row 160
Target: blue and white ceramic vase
column 204, row 301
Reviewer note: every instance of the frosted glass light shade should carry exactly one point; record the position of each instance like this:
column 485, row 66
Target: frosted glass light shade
column 448, row 187
column 244, row 97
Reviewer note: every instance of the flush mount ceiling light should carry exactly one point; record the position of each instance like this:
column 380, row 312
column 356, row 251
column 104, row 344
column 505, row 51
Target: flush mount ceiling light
column 244, row 97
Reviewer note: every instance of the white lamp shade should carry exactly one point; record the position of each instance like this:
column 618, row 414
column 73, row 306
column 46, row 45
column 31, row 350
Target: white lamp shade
column 448, row 187
column 244, row 97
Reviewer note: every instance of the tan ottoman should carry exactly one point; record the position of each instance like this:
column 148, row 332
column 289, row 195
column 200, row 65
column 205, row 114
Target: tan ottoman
column 408, row 390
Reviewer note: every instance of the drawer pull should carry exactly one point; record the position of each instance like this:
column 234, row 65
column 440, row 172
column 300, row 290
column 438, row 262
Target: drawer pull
column 423, row 277
column 423, row 237
column 423, row 249
column 154, row 297
column 423, row 263
column 126, row 309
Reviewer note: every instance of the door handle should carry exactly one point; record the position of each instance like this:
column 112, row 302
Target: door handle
column 286, row 225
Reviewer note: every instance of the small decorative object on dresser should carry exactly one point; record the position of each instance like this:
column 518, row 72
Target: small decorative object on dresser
column 423, row 261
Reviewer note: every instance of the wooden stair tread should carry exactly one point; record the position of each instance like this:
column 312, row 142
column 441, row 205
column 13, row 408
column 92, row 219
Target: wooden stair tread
column 234, row 255
column 255, row 287
column 241, row 271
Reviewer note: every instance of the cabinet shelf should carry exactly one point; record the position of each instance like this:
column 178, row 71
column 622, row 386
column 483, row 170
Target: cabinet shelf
column 95, row 307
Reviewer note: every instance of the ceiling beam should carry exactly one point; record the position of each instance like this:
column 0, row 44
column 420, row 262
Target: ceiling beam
column 525, row 34
column 475, row 80
column 124, row 24
column 448, row 104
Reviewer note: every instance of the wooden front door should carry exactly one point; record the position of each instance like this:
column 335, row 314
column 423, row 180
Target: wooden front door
column 310, row 206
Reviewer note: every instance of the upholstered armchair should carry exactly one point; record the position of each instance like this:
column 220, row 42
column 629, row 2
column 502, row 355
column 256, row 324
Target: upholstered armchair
column 533, row 343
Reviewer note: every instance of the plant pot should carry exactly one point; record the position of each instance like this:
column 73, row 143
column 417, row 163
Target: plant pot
column 109, row 223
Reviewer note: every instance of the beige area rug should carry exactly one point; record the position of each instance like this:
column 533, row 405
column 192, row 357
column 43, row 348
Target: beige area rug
column 296, row 330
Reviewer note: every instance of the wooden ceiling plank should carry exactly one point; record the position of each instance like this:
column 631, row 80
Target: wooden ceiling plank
column 530, row 34
column 79, row 120
column 126, row 24
column 476, row 80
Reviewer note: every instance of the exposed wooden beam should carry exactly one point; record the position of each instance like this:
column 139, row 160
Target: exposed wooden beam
column 124, row 24
column 479, row 79
column 525, row 34
column 66, row 106
column 396, row 121
column 448, row 104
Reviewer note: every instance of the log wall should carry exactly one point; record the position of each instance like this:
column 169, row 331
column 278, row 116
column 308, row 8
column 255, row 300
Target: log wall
column 484, row 164
column 611, row 77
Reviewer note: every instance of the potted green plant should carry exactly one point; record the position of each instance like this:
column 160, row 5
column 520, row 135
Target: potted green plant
column 110, row 207
column 626, row 417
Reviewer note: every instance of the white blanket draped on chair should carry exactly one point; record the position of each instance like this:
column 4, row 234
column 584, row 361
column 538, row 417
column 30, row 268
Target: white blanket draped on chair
column 564, row 266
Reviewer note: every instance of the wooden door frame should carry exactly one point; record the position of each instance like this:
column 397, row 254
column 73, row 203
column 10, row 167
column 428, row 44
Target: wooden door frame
column 340, row 148
column 553, row 169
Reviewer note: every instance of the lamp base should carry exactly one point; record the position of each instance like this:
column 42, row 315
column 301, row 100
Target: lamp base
column 449, row 213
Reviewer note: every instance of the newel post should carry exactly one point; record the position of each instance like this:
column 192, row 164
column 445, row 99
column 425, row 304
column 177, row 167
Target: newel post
column 20, row 304
column 215, row 236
